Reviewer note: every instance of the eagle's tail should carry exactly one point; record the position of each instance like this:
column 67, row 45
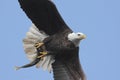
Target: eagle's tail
column 33, row 36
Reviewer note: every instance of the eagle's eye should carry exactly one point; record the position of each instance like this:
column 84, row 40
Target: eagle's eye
column 78, row 34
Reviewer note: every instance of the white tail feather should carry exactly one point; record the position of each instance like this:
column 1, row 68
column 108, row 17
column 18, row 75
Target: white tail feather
column 33, row 36
column 46, row 63
column 31, row 57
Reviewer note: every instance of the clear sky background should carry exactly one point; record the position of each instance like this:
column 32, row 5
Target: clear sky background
column 99, row 52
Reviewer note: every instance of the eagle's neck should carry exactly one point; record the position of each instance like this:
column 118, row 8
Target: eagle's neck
column 76, row 42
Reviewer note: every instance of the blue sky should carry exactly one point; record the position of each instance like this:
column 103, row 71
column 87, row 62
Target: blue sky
column 99, row 52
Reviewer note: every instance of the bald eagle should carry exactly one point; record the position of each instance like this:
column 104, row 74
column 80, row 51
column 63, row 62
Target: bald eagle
column 50, row 43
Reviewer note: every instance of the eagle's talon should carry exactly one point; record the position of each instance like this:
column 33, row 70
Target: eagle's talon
column 39, row 44
column 42, row 54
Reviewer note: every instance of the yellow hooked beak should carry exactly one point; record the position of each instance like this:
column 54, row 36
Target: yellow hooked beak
column 83, row 36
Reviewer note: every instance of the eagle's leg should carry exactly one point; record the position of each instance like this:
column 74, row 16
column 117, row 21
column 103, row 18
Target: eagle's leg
column 39, row 44
column 42, row 54
column 41, row 50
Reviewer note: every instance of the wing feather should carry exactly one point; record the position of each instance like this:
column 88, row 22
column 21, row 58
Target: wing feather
column 70, row 69
column 44, row 14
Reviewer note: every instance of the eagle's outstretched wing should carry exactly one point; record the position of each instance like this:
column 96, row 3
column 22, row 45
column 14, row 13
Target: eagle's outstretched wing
column 44, row 15
column 69, row 70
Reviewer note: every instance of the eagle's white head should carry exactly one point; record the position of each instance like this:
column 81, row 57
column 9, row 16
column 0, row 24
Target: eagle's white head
column 76, row 38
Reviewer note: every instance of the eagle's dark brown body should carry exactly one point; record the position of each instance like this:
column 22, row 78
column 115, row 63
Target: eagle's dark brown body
column 66, row 57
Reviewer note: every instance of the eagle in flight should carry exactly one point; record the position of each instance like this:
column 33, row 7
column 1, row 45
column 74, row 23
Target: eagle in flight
column 50, row 43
